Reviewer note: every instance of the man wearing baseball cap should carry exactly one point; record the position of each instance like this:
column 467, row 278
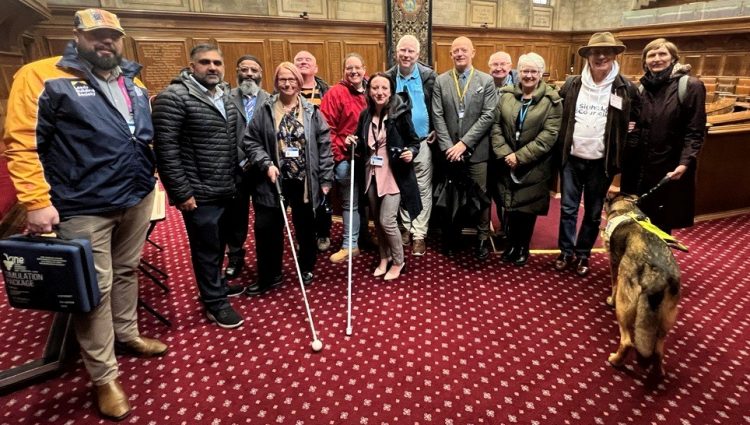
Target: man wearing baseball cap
column 78, row 135
column 599, row 107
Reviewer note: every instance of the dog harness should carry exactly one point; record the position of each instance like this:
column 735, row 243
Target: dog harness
column 646, row 224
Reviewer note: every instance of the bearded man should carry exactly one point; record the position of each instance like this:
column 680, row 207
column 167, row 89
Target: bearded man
column 78, row 142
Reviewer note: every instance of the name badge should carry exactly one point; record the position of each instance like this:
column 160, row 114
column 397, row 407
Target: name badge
column 291, row 152
column 461, row 111
column 615, row 101
column 376, row 161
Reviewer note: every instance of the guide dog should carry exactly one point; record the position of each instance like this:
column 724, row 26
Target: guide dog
column 645, row 283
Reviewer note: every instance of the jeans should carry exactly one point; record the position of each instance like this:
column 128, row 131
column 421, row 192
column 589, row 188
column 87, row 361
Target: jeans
column 587, row 177
column 342, row 172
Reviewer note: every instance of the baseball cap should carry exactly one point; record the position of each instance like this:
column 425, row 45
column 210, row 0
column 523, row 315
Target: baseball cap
column 94, row 19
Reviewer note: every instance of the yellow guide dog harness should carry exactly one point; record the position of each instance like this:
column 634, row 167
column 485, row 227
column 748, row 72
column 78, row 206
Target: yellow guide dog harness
column 646, row 224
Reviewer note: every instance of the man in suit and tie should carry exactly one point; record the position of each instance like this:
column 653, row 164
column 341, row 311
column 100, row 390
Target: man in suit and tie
column 247, row 97
column 463, row 104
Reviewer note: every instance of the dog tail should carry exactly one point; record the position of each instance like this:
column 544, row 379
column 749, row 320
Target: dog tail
column 654, row 287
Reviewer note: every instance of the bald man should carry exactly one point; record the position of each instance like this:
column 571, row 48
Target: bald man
column 501, row 69
column 313, row 89
column 463, row 103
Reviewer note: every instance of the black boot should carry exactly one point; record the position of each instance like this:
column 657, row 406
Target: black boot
column 483, row 249
column 509, row 255
column 522, row 256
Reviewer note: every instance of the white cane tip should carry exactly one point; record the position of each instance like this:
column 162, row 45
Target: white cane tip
column 317, row 345
column 349, row 331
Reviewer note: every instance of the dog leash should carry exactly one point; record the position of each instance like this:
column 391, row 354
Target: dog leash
column 651, row 191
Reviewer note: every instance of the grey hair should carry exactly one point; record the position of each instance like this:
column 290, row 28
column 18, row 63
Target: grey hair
column 408, row 37
column 532, row 59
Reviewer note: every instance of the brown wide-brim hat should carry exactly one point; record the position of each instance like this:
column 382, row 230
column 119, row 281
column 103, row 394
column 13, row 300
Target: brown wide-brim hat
column 602, row 40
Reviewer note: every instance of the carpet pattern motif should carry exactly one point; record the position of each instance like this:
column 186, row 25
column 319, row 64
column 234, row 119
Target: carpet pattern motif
column 454, row 341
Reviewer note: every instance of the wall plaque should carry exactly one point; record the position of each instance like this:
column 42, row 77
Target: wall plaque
column 541, row 18
column 162, row 61
column 482, row 14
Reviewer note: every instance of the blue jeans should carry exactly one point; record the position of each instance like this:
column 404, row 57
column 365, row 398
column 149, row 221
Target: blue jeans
column 342, row 173
column 587, row 177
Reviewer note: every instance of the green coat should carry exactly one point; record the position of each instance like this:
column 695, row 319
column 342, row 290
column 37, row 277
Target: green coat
column 533, row 149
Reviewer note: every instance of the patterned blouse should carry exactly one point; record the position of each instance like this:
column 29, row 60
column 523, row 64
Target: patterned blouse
column 291, row 137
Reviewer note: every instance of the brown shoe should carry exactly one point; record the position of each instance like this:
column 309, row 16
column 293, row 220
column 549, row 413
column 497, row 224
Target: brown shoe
column 143, row 347
column 112, row 401
column 419, row 247
column 405, row 237
column 343, row 255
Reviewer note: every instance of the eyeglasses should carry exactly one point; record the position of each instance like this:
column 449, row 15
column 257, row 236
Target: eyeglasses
column 529, row 71
column 290, row 81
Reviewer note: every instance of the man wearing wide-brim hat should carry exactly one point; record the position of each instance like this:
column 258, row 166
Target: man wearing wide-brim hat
column 78, row 137
column 599, row 107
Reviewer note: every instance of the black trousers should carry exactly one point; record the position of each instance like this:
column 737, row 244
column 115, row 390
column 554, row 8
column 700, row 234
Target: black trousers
column 238, row 213
column 270, row 234
column 520, row 228
column 206, row 228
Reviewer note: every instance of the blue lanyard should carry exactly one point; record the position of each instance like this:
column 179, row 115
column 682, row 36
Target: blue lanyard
column 522, row 117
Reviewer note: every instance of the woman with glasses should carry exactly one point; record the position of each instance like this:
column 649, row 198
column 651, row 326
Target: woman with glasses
column 527, row 120
column 386, row 145
column 287, row 140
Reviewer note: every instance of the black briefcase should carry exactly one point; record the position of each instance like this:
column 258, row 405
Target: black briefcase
column 46, row 273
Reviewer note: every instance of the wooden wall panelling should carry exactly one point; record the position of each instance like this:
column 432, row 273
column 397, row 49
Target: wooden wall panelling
column 632, row 65
column 734, row 64
column 334, row 61
column 162, row 60
column 515, row 50
column 233, row 49
column 711, row 65
column 10, row 63
column 695, row 60
column 278, row 54
column 56, row 45
column 442, row 57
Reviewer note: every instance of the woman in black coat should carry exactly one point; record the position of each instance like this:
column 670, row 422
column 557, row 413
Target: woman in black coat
column 386, row 145
column 670, row 133
column 288, row 139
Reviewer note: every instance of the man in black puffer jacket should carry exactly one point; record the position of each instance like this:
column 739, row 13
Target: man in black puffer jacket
column 196, row 151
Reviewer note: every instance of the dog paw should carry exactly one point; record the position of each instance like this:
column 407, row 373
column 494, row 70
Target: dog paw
column 615, row 360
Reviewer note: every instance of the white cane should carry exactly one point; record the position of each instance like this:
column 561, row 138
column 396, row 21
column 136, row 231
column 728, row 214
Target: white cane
column 351, row 228
column 317, row 344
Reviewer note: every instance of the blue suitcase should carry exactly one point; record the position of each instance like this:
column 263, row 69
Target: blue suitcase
column 44, row 273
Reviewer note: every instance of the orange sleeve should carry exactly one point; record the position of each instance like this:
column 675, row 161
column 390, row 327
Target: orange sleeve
column 20, row 138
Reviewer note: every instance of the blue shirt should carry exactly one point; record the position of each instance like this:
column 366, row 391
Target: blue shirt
column 413, row 85
column 217, row 98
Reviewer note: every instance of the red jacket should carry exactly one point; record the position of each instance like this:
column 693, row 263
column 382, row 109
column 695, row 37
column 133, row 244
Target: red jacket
column 341, row 107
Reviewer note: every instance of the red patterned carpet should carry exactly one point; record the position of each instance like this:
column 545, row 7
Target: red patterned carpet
column 453, row 342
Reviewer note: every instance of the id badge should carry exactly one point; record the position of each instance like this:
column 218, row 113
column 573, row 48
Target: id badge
column 461, row 111
column 376, row 161
column 291, row 152
column 615, row 101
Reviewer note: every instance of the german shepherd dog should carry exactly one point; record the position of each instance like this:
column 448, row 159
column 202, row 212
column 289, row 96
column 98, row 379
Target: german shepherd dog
column 645, row 284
